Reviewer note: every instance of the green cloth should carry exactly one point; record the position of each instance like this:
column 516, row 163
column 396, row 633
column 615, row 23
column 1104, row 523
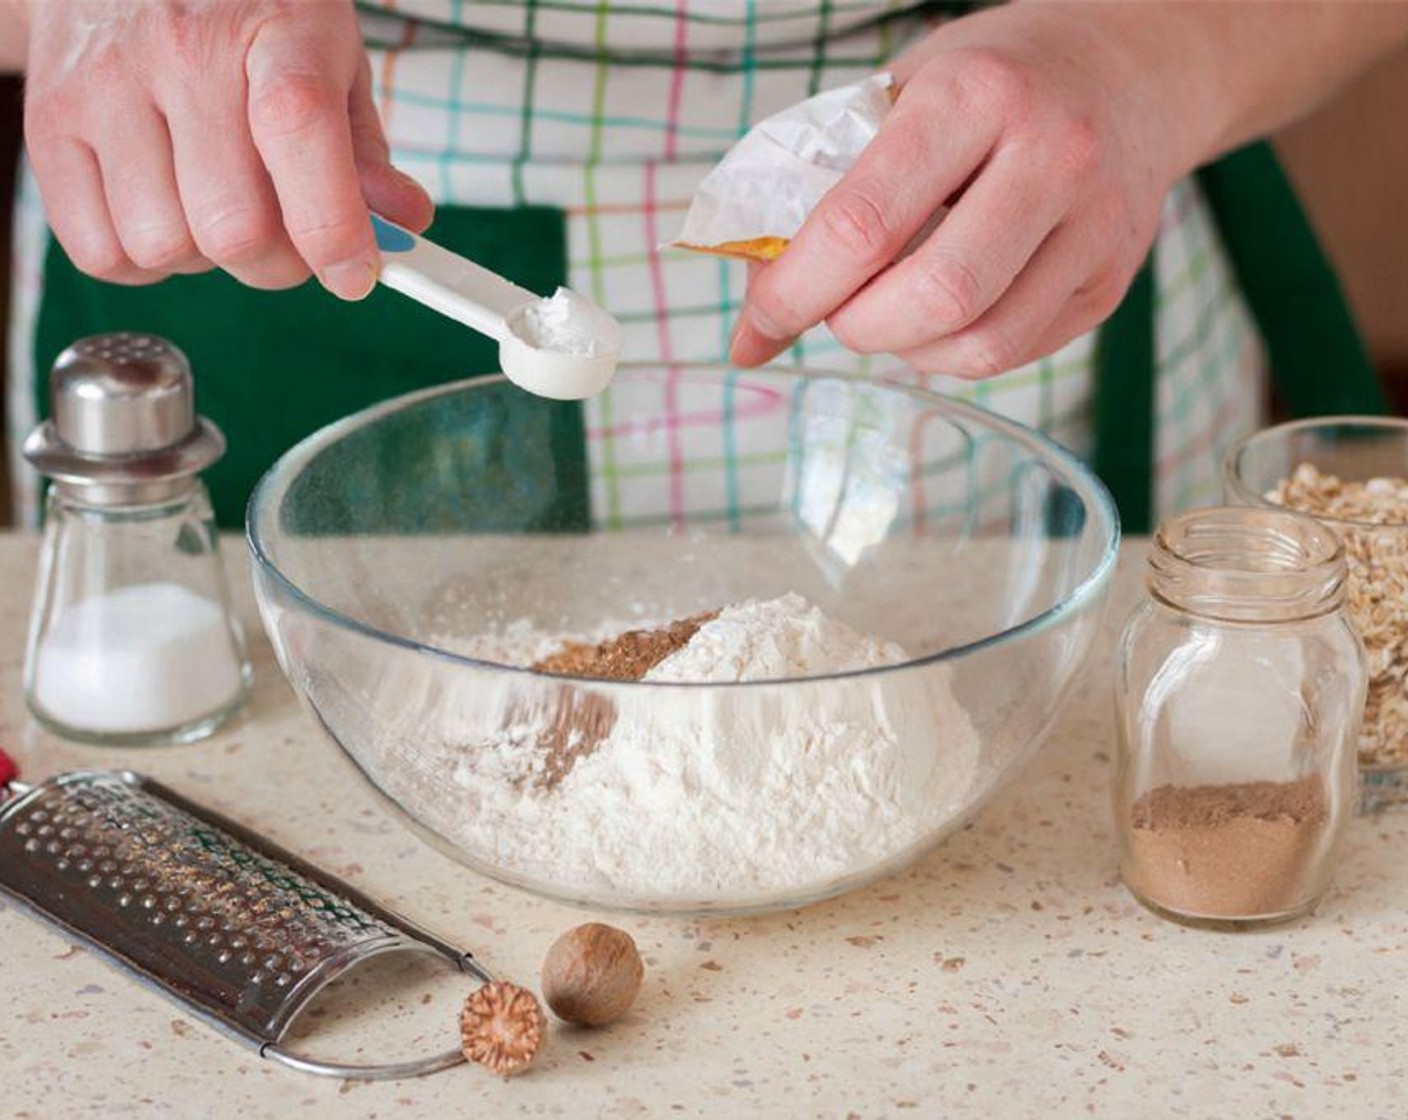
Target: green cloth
column 272, row 367
column 1319, row 365
column 1124, row 402
column 1319, row 362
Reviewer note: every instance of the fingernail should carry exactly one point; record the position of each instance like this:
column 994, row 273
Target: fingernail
column 733, row 335
column 410, row 184
column 737, row 346
column 749, row 347
column 352, row 279
column 409, row 180
column 755, row 339
column 763, row 325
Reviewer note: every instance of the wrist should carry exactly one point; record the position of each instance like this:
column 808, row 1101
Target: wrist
column 1225, row 74
column 1164, row 67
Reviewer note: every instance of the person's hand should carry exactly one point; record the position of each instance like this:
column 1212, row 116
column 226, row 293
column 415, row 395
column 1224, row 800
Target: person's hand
column 171, row 137
column 1047, row 133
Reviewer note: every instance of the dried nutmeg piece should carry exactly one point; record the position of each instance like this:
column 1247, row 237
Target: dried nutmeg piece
column 592, row 974
column 502, row 1027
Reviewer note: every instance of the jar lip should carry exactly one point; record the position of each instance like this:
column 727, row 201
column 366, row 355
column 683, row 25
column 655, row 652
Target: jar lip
column 1319, row 545
column 1248, row 564
column 1330, row 604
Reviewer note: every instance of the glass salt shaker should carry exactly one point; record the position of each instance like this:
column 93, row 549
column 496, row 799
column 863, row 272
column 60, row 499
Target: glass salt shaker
column 1239, row 694
column 132, row 640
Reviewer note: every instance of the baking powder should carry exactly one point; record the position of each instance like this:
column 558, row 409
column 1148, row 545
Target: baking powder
column 565, row 323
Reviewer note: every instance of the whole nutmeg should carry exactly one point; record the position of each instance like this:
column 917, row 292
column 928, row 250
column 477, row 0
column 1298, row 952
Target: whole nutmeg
column 592, row 974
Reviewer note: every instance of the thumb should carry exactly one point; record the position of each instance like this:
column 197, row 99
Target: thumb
column 388, row 192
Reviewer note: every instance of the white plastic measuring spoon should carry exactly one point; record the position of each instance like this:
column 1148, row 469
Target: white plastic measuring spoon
column 484, row 301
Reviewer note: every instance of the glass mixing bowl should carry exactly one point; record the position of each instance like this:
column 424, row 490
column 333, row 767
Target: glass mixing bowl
column 409, row 560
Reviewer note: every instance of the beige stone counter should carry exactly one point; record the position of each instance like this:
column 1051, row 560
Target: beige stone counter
column 1008, row 974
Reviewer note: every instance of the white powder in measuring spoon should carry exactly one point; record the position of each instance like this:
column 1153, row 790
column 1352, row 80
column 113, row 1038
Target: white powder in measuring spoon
column 708, row 794
column 564, row 323
column 147, row 657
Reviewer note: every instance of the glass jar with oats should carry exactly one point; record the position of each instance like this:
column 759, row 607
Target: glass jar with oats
column 1351, row 473
column 1239, row 691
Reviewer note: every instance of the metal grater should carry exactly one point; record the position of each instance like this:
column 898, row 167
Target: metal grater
column 238, row 930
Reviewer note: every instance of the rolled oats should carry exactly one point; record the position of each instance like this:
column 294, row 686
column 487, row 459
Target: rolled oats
column 1377, row 591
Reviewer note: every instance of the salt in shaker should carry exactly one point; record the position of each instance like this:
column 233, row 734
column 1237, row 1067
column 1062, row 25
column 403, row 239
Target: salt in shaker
column 131, row 639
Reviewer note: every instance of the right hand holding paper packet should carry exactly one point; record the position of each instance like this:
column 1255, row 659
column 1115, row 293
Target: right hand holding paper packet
column 1035, row 129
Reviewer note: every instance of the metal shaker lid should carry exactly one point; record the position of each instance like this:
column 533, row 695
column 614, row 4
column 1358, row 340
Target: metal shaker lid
column 124, row 418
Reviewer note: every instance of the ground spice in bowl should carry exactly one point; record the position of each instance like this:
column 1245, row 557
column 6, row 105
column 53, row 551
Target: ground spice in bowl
column 626, row 657
column 581, row 720
column 1237, row 851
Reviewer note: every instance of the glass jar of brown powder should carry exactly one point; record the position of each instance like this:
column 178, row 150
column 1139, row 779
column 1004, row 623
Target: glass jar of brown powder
column 1239, row 693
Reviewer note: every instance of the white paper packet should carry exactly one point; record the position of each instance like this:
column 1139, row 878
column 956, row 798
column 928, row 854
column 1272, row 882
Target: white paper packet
column 756, row 198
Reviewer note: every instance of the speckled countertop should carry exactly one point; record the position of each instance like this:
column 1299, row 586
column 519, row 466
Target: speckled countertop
column 1006, row 975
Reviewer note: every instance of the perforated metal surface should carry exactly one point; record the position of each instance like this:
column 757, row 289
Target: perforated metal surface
column 125, row 347
column 219, row 918
column 124, row 428
column 122, row 394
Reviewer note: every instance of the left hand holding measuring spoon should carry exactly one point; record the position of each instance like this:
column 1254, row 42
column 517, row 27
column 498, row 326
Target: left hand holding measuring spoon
column 564, row 347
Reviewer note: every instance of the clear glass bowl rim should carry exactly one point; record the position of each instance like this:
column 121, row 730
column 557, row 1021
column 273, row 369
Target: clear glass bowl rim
column 1232, row 478
column 1070, row 468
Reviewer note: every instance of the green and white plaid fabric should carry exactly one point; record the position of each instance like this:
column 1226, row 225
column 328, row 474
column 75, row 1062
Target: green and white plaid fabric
column 612, row 112
column 636, row 27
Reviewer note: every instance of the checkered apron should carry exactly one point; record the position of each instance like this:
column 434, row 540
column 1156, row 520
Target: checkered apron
column 612, row 112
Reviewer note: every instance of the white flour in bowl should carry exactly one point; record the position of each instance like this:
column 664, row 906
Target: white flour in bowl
column 778, row 639
column 699, row 794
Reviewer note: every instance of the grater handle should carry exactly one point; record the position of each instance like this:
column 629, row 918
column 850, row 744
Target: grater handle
column 385, row 1071
column 390, row 1071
